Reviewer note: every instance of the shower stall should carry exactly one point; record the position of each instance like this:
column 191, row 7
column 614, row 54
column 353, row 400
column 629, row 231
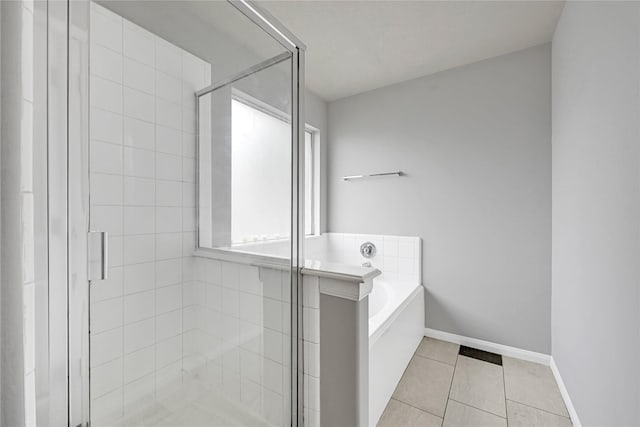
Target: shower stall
column 176, row 140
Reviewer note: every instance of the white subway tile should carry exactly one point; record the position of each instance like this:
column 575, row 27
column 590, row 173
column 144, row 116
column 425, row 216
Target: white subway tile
column 140, row 163
column 273, row 376
column 106, row 377
column 106, row 189
column 271, row 283
column 139, row 220
column 312, row 359
column 105, row 157
column 168, row 272
column 138, row 133
column 249, row 279
column 105, row 126
column 168, row 379
column 169, row 220
column 188, row 145
column 139, row 191
column 139, row 364
column 406, row 247
column 106, row 315
column 213, row 297
column 139, row 335
column 314, row 392
column 250, row 366
column 139, row 76
column 169, row 351
column 106, row 409
column 168, row 87
column 273, row 345
column 390, row 246
column 139, row 306
column 139, row 44
column 251, row 396
column 138, row 105
column 273, row 407
column 188, row 170
column 106, row 63
column 193, row 71
column 106, row 94
column 168, row 325
column 168, row 140
column 188, row 219
column 111, row 287
column 311, row 324
column 168, row 167
column 106, row 346
column 272, row 314
column 168, row 246
column 106, row 29
column 230, row 302
column 230, row 275
column 138, row 249
column 107, row 218
column 139, row 393
column 116, row 251
column 189, row 120
column 311, row 292
column 168, row 114
column 188, row 194
column 168, row 58
column 139, row 278
column 168, row 298
column 250, row 308
column 169, row 193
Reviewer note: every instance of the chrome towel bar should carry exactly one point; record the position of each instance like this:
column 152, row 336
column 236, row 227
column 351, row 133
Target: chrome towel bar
column 373, row 175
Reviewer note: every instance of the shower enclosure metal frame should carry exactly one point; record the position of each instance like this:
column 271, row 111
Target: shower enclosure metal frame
column 63, row 387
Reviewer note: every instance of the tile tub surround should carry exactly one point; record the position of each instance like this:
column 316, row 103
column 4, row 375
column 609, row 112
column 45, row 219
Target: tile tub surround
column 142, row 161
column 442, row 388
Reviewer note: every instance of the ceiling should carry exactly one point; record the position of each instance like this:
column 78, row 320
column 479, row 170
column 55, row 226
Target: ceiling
column 356, row 46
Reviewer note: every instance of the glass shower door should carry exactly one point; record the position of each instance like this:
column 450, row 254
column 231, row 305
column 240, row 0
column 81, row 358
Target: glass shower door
column 193, row 195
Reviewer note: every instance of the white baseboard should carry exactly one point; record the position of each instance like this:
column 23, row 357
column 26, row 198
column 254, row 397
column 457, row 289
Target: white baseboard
column 505, row 350
column 565, row 395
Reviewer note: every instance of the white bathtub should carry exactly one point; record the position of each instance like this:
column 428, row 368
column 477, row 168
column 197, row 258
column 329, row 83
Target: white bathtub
column 396, row 327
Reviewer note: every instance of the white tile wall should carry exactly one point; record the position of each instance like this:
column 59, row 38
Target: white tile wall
column 241, row 346
column 142, row 332
column 397, row 257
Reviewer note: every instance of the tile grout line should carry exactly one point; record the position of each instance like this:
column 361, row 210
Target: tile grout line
column 415, row 407
column 504, row 387
column 446, row 406
column 479, row 409
column 539, row 409
column 436, row 360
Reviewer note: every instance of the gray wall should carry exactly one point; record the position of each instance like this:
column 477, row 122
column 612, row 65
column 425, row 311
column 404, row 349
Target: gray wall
column 596, row 209
column 475, row 143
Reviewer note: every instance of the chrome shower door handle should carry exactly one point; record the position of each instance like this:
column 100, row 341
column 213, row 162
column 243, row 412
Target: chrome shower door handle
column 98, row 243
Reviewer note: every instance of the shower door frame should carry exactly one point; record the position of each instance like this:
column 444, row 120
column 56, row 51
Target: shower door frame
column 68, row 143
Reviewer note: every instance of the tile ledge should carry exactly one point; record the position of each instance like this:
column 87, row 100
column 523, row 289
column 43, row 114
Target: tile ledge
column 342, row 280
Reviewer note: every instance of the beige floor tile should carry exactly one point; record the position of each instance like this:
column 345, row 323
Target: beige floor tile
column 398, row 414
column 460, row 415
column 425, row 385
column 441, row 351
column 532, row 384
column 520, row 415
column 479, row 384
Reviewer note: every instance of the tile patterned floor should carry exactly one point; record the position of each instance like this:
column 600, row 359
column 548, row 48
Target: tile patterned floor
column 442, row 388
